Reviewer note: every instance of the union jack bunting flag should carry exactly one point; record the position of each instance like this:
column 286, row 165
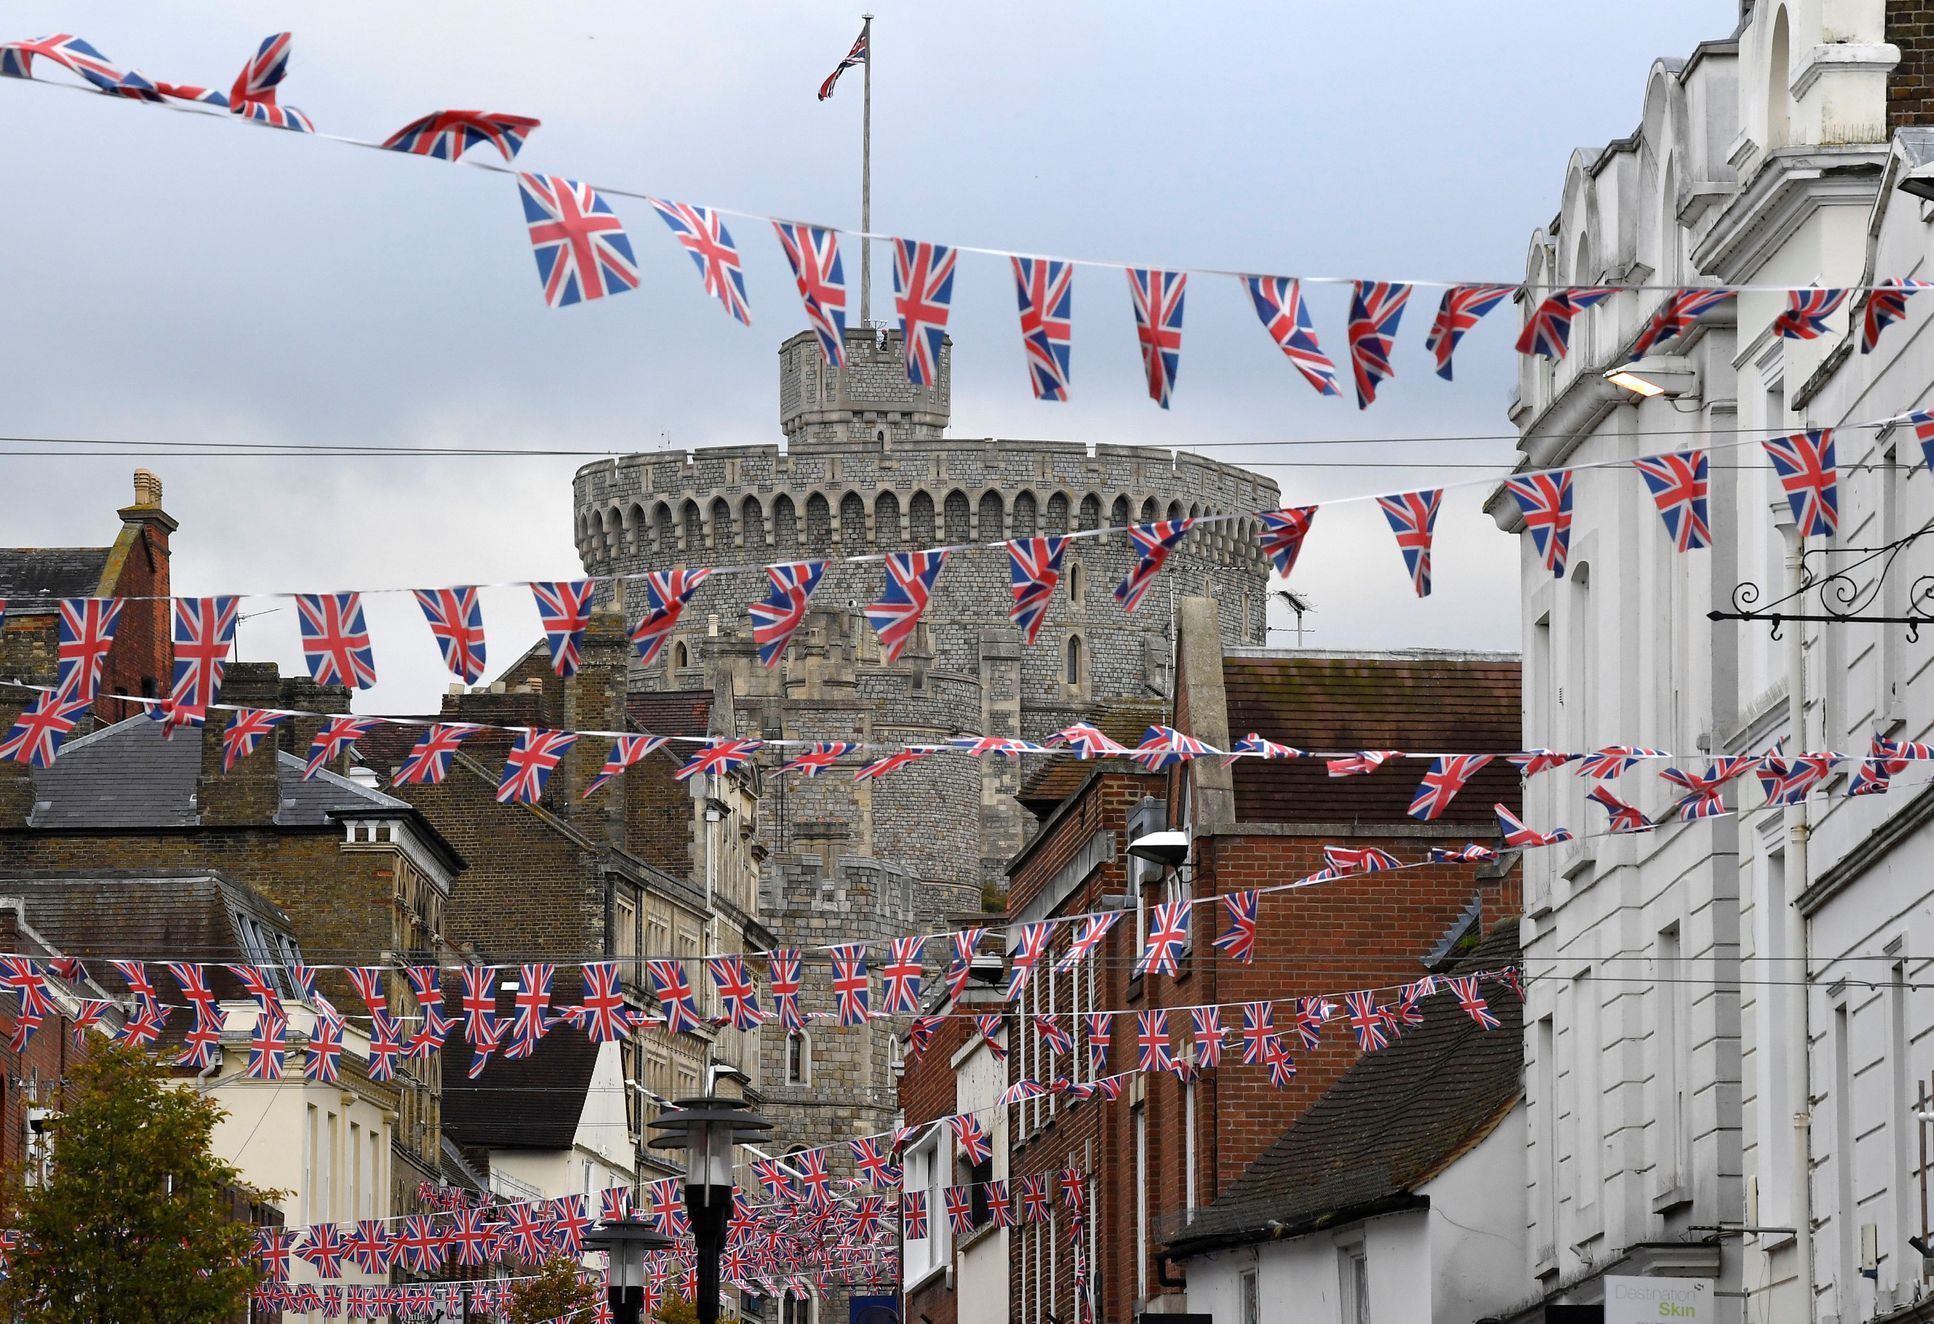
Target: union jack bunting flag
column 783, row 610
column 1157, row 296
column 429, row 759
column 479, row 1002
column 448, row 134
column 1046, row 291
column 1375, row 309
column 1283, row 532
column 921, row 1032
column 1361, row 763
column 144, row 1027
column 336, row 737
column 1030, row 943
column 964, row 943
column 603, row 1003
column 1547, row 332
column 204, row 631
column 266, row 1044
column 702, row 233
column 972, row 1137
column 335, row 639
column 813, row 253
column 852, row 990
column 527, row 1231
column 1790, row 783
column 1238, row 941
column 923, row 295
column 580, row 245
column 1282, row 1068
column 771, row 1174
column 1703, row 791
column 1368, row 859
column 913, row 1215
column 1168, row 938
column 36, row 735
column 1087, row 742
column 1367, row 1020
column 68, row 51
column 1464, row 987
column 626, row 752
column 89, row 1014
column 1447, row 776
column 455, row 616
column 673, row 988
column 1152, row 544
column 1885, row 306
column 1008, row 747
column 324, row 1062
column 1614, row 759
column 715, row 758
column 244, row 732
column 1086, row 938
column 909, row 589
column 1284, row 315
column 325, row 1249
column 1544, row 499
column 858, row 55
column 474, row 1241
column 569, row 1220
column 875, row 1167
column 1806, row 313
column 1469, row 853
column 369, row 1246
column 818, row 1182
column 1164, row 747
column 1053, row 1033
column 1520, row 837
column 273, row 1246
column 564, row 610
column 822, row 755
column 960, row 1209
column 530, row 763
column 1804, row 463
column 1413, row 517
column 1258, row 1032
column 666, row 593
column 1206, row 1025
column 135, row 975
column 1152, row 1042
column 736, row 995
column 782, row 970
column 990, row 1027
column 901, row 976
column 895, row 761
column 1882, row 764
column 1624, row 818
column 1921, row 420
column 1676, row 316
column 1678, row 484
column 1034, row 1198
column 86, row 634
column 531, row 1006
column 1255, row 746
column 1098, row 1028
column 263, row 73
column 1034, row 568
column 1459, row 311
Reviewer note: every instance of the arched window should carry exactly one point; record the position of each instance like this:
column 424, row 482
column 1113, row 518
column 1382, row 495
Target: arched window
column 681, row 656
column 852, row 521
column 799, row 1059
column 819, row 522
column 721, row 524
column 1074, row 583
column 1072, row 673
column 991, row 517
column 886, row 520
column 1024, row 515
column 752, row 521
column 664, row 534
column 920, row 522
column 1058, row 513
column 1091, row 511
column 1118, row 516
column 959, row 516
column 785, row 523
column 1779, row 57
column 691, row 529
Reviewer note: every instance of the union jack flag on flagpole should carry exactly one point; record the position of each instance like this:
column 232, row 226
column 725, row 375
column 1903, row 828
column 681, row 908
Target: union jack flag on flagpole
column 1284, row 315
column 1157, row 296
column 337, row 736
column 666, row 593
column 580, row 245
column 1544, row 499
column 204, row 632
column 1413, row 517
column 1238, row 941
column 1283, row 532
column 1045, row 288
column 702, row 233
column 910, row 578
column 1806, row 313
column 85, row 637
column 1376, row 308
column 626, row 752
column 447, row 134
column 1152, row 544
column 858, row 55
column 429, row 759
column 244, row 732
column 36, row 735
column 783, row 610
column 564, row 612
column 813, row 252
column 1679, row 487
column 1676, row 316
column 923, row 295
column 68, row 51
column 1547, row 332
column 1886, row 305
column 1034, row 568
column 1459, row 311
column 1448, row 775
column 335, row 639
column 1804, row 463
column 455, row 616
column 715, row 758
column 530, row 763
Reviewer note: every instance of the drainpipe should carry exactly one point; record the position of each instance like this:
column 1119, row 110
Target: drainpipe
column 1799, row 1083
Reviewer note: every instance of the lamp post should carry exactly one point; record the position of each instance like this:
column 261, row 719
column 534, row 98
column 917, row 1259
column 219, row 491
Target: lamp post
column 708, row 1129
column 626, row 1241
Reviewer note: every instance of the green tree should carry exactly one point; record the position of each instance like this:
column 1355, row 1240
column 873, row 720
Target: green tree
column 557, row 1290
column 135, row 1220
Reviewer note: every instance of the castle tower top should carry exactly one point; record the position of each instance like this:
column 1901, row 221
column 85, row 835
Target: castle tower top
column 867, row 401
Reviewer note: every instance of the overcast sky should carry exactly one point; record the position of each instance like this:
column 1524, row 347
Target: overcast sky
column 173, row 281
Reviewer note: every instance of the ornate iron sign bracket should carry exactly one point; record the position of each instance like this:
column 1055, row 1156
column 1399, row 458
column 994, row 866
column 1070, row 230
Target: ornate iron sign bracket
column 1838, row 597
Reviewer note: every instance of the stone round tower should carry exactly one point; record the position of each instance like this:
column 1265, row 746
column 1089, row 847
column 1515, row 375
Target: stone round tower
column 867, row 469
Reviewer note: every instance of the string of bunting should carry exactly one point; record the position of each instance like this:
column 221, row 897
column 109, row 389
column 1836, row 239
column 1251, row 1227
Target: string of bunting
column 583, row 254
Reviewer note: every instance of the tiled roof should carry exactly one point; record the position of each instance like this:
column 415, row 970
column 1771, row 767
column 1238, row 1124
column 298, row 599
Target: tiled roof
column 1395, row 1119
column 1053, row 780
column 671, row 712
column 532, row 1103
column 49, row 572
column 1412, row 702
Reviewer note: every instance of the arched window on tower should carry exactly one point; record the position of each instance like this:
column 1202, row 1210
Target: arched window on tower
column 1072, row 670
column 681, row 656
column 1074, row 583
column 799, row 1058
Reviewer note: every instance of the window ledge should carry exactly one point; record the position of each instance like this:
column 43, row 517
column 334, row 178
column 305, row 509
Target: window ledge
column 926, row 1277
column 1673, row 1197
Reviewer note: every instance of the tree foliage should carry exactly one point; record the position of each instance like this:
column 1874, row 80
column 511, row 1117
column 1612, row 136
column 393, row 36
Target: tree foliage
column 558, row 1290
column 135, row 1220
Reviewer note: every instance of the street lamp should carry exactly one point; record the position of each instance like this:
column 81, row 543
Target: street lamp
column 626, row 1241
column 708, row 1129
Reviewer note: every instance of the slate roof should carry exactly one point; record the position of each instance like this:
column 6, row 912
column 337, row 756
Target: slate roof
column 129, row 775
column 1053, row 780
column 49, row 572
column 1411, row 701
column 1395, row 1119
column 532, row 1103
column 671, row 712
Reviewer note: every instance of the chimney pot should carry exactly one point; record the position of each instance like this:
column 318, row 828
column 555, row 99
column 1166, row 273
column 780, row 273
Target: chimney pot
column 147, row 488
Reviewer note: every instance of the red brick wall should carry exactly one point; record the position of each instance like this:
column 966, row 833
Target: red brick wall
column 43, row 1061
column 1909, row 24
column 142, row 660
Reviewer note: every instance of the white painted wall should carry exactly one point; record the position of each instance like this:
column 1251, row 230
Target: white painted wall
column 600, row 1153
column 981, row 1262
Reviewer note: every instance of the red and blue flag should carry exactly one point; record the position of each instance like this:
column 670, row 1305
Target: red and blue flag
column 1045, row 288
column 1376, row 308
column 428, row 761
column 1413, row 518
column 1157, row 296
column 626, row 752
column 455, row 616
column 1806, row 313
column 923, row 295
column 530, row 763
column 564, row 612
column 910, row 578
column 1460, row 310
column 335, row 639
column 1283, row 532
column 782, row 611
column 1679, row 486
column 1034, row 568
column 580, row 245
column 1804, row 463
column 448, row 134
column 702, row 233
column 1284, row 315
column 813, row 252
column 1544, row 499
column 666, row 593
column 1152, row 544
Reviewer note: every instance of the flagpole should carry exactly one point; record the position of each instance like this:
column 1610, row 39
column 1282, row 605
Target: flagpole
column 866, row 179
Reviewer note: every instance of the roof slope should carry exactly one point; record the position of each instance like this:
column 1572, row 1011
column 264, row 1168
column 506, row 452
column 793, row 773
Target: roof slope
column 532, row 1103
column 1420, row 702
column 1394, row 1120
column 28, row 573
column 671, row 712
column 1053, row 780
